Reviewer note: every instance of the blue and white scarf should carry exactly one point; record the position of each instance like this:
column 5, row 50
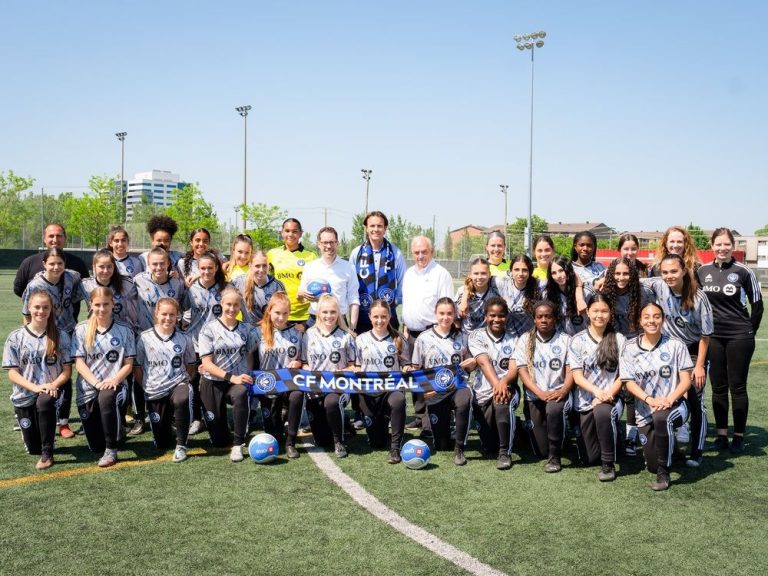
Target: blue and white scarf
column 371, row 285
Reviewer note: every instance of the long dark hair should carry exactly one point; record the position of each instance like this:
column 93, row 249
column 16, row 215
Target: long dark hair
column 688, row 293
column 531, row 292
column 219, row 279
column 553, row 288
column 607, row 353
column 642, row 267
column 116, row 281
column 190, row 255
column 611, row 291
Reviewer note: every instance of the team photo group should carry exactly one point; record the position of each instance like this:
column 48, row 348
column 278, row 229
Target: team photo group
column 627, row 360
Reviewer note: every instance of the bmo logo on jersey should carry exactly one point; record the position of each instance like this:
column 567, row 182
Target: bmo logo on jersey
column 555, row 364
column 729, row 289
column 665, row 371
column 389, row 361
column 176, row 362
column 112, row 356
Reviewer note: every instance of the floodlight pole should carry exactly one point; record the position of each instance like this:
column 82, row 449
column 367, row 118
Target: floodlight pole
column 243, row 111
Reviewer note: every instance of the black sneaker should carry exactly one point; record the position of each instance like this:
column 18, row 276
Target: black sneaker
column 553, row 465
column 661, row 483
column 694, row 461
column 458, row 456
column 339, row 450
column 737, row 445
column 426, row 434
column 290, row 451
column 607, row 473
column 394, row 456
column 720, row 444
column 413, row 423
column 504, row 461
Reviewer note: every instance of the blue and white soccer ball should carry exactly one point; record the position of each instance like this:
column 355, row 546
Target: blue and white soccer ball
column 415, row 454
column 263, row 448
column 319, row 287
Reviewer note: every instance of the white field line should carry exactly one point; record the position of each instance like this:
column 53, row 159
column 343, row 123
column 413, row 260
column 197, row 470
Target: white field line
column 388, row 516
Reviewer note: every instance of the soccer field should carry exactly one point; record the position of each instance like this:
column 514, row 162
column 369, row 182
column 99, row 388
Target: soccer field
column 209, row 516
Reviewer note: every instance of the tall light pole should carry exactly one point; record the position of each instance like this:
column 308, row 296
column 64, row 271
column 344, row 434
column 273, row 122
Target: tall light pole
column 243, row 111
column 121, row 136
column 530, row 41
column 504, row 188
column 367, row 178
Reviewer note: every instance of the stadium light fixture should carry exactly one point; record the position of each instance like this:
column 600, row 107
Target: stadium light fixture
column 367, row 178
column 123, row 208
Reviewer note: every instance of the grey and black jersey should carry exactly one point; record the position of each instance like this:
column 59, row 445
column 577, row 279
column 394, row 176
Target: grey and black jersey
column 203, row 305
column 330, row 352
column 432, row 350
column 380, row 354
column 570, row 324
column 164, row 361
column 66, row 292
column 229, row 348
column 655, row 371
column 126, row 301
column 500, row 352
column 286, row 347
column 550, row 358
column 105, row 358
column 590, row 272
column 519, row 320
column 26, row 351
column 686, row 325
column 621, row 309
column 149, row 292
column 582, row 353
column 475, row 317
column 130, row 265
column 261, row 297
column 173, row 255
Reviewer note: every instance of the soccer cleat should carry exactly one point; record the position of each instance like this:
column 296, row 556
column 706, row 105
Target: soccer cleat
column 290, row 451
column 413, row 424
column 630, row 448
column 137, row 428
column 737, row 445
column 503, row 462
column 394, row 456
column 607, row 473
column 661, row 483
column 46, row 461
column 65, row 431
column 458, row 456
column 180, row 454
column 195, row 427
column 108, row 459
column 236, row 454
column 693, row 462
column 426, row 434
column 553, row 465
column 720, row 444
column 339, row 450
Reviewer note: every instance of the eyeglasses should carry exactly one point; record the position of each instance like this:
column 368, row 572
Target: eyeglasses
column 328, row 243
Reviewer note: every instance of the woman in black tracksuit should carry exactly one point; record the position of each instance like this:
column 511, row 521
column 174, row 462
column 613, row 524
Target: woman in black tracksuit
column 729, row 285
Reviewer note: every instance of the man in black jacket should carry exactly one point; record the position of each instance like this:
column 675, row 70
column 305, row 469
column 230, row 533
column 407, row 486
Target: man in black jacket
column 54, row 236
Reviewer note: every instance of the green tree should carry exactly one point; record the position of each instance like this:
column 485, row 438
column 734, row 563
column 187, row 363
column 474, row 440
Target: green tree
column 448, row 245
column 358, row 229
column 13, row 218
column 762, row 231
column 190, row 210
column 91, row 215
column 516, row 233
column 699, row 236
column 263, row 223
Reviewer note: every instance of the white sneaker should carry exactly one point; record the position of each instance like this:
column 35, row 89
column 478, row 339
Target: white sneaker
column 180, row 454
column 195, row 427
column 683, row 434
column 236, row 454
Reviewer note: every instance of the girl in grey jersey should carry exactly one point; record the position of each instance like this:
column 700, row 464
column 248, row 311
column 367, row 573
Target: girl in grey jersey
column 152, row 285
column 107, row 274
column 118, row 243
column 478, row 287
column 541, row 357
column 165, row 361
column 37, row 359
column 656, row 370
column 103, row 350
column 256, row 288
column 280, row 347
column 328, row 347
column 593, row 356
column 226, row 348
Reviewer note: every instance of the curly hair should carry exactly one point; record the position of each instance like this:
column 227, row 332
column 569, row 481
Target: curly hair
column 162, row 222
column 690, row 256
column 611, row 291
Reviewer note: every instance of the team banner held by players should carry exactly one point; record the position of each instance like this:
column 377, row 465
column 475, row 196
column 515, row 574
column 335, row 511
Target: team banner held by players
column 441, row 379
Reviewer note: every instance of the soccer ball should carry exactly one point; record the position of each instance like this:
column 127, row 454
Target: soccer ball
column 263, row 448
column 415, row 454
column 319, row 287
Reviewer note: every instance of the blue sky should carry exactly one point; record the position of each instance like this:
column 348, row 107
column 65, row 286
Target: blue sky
column 647, row 114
